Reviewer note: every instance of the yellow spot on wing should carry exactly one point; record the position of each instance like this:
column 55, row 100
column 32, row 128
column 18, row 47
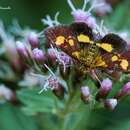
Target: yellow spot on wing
column 124, row 64
column 105, row 46
column 83, row 38
column 114, row 58
column 76, row 54
column 60, row 40
column 100, row 62
column 71, row 42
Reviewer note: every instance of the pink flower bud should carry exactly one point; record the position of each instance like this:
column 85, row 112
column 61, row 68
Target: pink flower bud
column 128, row 45
column 22, row 50
column 110, row 103
column 79, row 15
column 106, row 86
column 33, row 40
column 85, row 17
column 126, row 88
column 51, row 54
column 85, row 94
column 124, row 91
column 91, row 22
column 38, row 55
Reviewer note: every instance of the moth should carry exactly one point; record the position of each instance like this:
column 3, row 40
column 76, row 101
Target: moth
column 90, row 50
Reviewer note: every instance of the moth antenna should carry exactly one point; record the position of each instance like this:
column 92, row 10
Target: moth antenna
column 58, row 57
column 95, row 75
column 49, row 69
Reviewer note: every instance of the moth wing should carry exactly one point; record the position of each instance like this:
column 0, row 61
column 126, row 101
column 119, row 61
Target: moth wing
column 63, row 38
column 115, row 62
column 82, row 32
column 112, row 43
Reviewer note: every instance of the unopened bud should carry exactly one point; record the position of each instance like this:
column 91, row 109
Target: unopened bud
column 110, row 103
column 85, row 94
column 124, row 91
column 22, row 50
column 91, row 22
column 38, row 55
column 51, row 54
column 33, row 40
column 59, row 91
column 106, row 86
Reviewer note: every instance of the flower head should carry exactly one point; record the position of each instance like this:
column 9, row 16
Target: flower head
column 106, row 86
column 51, row 54
column 33, row 40
column 110, row 103
column 22, row 50
column 124, row 91
column 85, row 94
column 106, row 8
column 80, row 15
column 38, row 55
column 62, row 58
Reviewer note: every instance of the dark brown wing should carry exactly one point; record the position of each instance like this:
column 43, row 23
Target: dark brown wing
column 82, row 28
column 117, row 43
column 63, row 38
column 117, row 62
column 114, row 53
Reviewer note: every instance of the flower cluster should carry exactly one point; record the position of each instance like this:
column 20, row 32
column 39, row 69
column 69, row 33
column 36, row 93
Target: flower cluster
column 55, row 70
column 40, row 64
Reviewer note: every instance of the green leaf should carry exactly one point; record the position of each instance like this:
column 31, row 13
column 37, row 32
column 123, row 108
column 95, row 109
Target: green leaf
column 116, row 87
column 36, row 102
column 6, row 72
column 119, row 18
column 11, row 118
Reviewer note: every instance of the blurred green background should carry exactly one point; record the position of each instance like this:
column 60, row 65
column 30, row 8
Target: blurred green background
column 29, row 13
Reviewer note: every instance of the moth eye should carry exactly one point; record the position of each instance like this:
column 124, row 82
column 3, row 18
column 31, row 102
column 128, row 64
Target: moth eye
column 83, row 38
column 60, row 40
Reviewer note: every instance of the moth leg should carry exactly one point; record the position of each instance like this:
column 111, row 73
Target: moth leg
column 94, row 73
